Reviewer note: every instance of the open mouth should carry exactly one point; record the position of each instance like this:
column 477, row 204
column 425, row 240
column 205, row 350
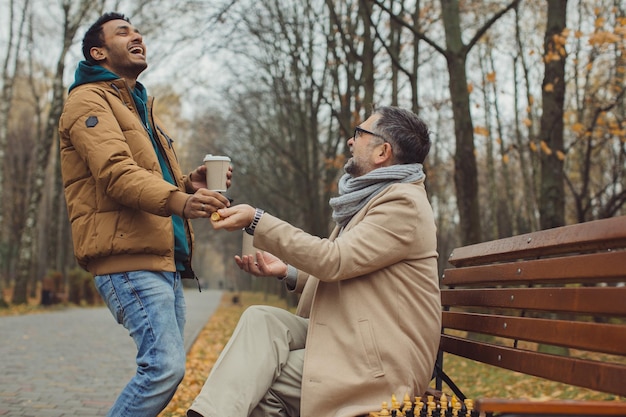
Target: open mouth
column 136, row 50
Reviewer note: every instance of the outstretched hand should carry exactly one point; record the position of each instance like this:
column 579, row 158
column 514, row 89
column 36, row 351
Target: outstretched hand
column 266, row 265
column 236, row 218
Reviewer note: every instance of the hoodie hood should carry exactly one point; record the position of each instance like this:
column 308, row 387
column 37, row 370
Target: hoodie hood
column 86, row 72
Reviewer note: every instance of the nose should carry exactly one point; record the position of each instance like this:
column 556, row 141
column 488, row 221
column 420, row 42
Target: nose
column 351, row 141
column 137, row 36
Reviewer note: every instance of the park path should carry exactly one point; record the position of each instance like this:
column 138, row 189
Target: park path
column 75, row 362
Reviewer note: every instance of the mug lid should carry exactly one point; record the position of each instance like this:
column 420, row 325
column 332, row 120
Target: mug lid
column 209, row 157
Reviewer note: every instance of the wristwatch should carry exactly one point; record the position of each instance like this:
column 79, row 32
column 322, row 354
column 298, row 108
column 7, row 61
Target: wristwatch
column 257, row 216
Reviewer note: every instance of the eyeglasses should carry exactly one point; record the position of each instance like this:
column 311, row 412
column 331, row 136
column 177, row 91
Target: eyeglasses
column 358, row 131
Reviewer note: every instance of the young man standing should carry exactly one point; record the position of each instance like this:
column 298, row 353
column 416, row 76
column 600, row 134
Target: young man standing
column 129, row 206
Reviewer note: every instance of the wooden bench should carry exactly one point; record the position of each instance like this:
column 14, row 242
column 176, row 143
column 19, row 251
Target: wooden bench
column 561, row 287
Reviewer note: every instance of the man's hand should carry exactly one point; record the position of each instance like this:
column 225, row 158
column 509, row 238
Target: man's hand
column 203, row 203
column 234, row 218
column 197, row 177
column 266, row 265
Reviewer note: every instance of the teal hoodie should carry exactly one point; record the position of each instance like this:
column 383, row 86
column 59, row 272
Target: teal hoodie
column 89, row 73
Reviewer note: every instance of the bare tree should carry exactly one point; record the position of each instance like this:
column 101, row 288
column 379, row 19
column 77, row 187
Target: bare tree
column 290, row 147
column 280, row 133
column 595, row 162
column 528, row 162
column 352, row 51
column 9, row 73
column 455, row 53
column 492, row 225
column 552, row 197
column 72, row 21
column 397, row 41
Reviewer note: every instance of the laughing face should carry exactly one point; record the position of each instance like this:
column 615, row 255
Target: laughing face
column 123, row 51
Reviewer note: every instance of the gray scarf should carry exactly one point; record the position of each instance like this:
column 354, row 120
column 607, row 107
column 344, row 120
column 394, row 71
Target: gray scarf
column 354, row 193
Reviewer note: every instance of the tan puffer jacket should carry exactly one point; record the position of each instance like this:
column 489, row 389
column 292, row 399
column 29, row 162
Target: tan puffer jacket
column 118, row 202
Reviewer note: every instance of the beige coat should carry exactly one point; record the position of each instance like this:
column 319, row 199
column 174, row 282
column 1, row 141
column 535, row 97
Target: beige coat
column 373, row 302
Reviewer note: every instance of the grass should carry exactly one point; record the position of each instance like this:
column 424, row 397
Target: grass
column 479, row 380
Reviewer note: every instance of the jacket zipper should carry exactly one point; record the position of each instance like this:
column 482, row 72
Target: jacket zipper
column 167, row 160
column 149, row 107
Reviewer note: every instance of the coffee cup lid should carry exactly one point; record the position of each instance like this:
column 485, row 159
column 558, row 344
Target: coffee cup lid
column 209, row 157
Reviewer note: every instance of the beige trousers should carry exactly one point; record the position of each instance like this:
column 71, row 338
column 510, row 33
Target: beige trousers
column 259, row 372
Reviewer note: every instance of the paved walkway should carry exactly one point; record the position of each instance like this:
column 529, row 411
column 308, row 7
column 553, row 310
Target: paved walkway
column 75, row 362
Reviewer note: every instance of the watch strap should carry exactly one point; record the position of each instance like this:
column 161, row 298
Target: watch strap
column 255, row 220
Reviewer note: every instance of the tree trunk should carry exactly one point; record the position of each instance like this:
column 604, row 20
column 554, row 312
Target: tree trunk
column 552, row 199
column 494, row 210
column 528, row 162
column 507, row 217
column 415, row 101
column 465, row 171
column 367, row 57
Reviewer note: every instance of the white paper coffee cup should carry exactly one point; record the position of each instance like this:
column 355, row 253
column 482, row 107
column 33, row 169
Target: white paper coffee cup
column 216, row 169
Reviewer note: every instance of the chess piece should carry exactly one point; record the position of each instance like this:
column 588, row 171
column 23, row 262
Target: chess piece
column 423, row 407
column 384, row 411
column 395, row 405
column 407, row 407
column 443, row 401
column 432, row 406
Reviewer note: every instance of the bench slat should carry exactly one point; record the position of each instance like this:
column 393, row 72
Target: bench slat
column 591, row 268
column 605, row 377
column 559, row 407
column 577, row 335
column 594, row 235
column 579, row 300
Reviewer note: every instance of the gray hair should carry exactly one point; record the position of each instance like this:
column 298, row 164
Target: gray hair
column 408, row 135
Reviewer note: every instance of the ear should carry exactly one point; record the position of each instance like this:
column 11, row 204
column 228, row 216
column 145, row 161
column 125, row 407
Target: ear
column 384, row 155
column 97, row 53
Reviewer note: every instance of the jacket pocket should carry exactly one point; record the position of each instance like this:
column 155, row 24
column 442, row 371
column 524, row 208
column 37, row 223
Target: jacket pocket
column 370, row 348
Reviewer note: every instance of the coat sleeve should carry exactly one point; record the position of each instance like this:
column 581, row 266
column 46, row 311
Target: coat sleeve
column 383, row 233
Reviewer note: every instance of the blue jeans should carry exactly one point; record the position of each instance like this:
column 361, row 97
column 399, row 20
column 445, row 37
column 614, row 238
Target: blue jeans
column 151, row 306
